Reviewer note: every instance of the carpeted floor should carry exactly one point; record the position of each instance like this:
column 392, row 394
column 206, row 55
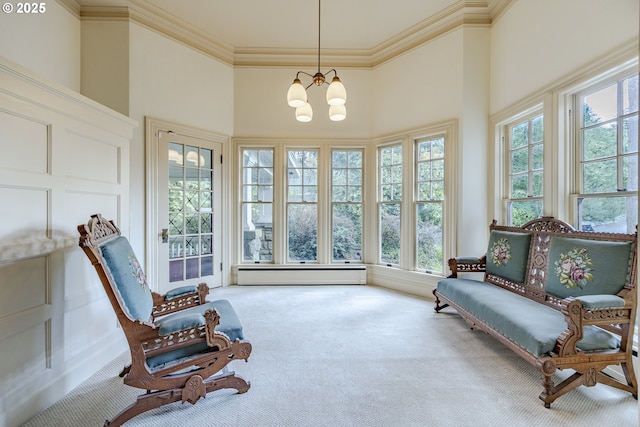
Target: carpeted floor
column 338, row 356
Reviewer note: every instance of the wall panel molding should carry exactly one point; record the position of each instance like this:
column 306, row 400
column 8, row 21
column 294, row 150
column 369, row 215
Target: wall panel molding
column 67, row 157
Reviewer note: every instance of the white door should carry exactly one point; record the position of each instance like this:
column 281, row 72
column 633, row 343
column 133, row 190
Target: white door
column 188, row 211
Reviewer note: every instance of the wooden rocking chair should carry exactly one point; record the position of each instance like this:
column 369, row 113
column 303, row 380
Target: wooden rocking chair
column 179, row 343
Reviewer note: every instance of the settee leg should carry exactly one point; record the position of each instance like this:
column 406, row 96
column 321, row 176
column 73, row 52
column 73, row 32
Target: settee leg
column 438, row 307
column 552, row 392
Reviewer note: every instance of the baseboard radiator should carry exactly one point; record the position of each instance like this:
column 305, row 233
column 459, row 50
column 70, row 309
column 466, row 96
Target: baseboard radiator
column 301, row 275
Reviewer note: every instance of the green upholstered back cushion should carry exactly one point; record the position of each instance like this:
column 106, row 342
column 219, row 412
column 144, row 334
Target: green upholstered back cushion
column 130, row 281
column 508, row 254
column 587, row 267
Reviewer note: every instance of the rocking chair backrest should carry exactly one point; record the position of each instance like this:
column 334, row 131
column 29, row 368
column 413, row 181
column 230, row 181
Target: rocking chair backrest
column 118, row 267
column 128, row 277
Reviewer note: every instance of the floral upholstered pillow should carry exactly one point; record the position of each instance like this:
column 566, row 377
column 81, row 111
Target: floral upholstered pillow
column 508, row 254
column 580, row 267
column 130, row 282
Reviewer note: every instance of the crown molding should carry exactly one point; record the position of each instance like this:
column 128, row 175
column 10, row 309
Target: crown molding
column 462, row 13
column 72, row 6
column 163, row 23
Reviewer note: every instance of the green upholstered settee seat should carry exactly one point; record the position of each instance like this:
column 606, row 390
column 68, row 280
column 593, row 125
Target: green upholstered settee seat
column 533, row 326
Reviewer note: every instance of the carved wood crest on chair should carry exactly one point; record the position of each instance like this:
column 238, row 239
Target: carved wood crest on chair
column 179, row 342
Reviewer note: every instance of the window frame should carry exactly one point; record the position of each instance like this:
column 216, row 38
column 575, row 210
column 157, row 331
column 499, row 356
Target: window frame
column 332, row 202
column 417, row 200
column 289, row 203
column 508, row 198
column 243, row 187
column 392, row 201
column 576, row 110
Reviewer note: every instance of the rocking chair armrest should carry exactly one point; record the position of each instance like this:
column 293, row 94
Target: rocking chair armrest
column 467, row 265
column 214, row 338
column 179, row 299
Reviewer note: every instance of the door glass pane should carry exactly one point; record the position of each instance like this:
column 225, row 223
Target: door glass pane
column 190, row 211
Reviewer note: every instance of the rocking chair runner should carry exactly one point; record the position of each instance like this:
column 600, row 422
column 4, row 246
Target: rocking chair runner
column 178, row 342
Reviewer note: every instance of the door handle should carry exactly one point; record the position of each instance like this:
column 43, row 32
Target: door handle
column 165, row 235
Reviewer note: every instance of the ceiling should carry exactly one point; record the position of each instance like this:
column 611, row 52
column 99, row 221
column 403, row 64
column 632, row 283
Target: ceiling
column 366, row 31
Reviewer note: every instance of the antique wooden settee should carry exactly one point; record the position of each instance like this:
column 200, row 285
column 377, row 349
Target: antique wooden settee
column 179, row 343
column 560, row 298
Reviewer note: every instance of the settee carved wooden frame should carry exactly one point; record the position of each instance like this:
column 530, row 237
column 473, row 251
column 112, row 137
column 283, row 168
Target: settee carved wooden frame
column 588, row 366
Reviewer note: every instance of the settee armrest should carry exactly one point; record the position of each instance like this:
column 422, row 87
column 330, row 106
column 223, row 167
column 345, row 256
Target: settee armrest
column 609, row 312
column 179, row 299
column 467, row 265
column 595, row 302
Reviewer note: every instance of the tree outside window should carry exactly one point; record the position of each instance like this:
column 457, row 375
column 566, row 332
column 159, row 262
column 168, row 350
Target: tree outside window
column 429, row 203
column 302, row 205
column 346, row 204
column 608, row 156
column 390, row 196
column 525, row 143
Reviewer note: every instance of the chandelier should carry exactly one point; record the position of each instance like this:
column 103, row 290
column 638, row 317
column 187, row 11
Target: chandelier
column 336, row 93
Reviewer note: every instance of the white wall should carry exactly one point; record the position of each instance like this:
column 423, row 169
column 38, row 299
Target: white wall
column 47, row 43
column 419, row 88
column 445, row 79
column 105, row 63
column 537, row 42
column 172, row 82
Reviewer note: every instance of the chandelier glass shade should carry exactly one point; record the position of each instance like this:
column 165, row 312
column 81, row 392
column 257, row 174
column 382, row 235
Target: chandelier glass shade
column 336, row 92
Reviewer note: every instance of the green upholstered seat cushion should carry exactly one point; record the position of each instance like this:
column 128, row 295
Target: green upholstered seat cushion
column 533, row 326
column 229, row 325
column 587, row 267
column 130, row 281
column 508, row 254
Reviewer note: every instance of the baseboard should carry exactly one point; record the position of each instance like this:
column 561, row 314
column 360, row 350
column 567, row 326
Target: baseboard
column 316, row 274
column 34, row 397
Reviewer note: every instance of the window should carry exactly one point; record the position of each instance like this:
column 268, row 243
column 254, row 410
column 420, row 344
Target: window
column 346, row 205
column 525, row 167
column 257, row 204
column 429, row 203
column 607, row 156
column 302, row 205
column 390, row 199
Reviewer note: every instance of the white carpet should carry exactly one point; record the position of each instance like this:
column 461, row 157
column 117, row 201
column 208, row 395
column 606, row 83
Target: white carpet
column 356, row 356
